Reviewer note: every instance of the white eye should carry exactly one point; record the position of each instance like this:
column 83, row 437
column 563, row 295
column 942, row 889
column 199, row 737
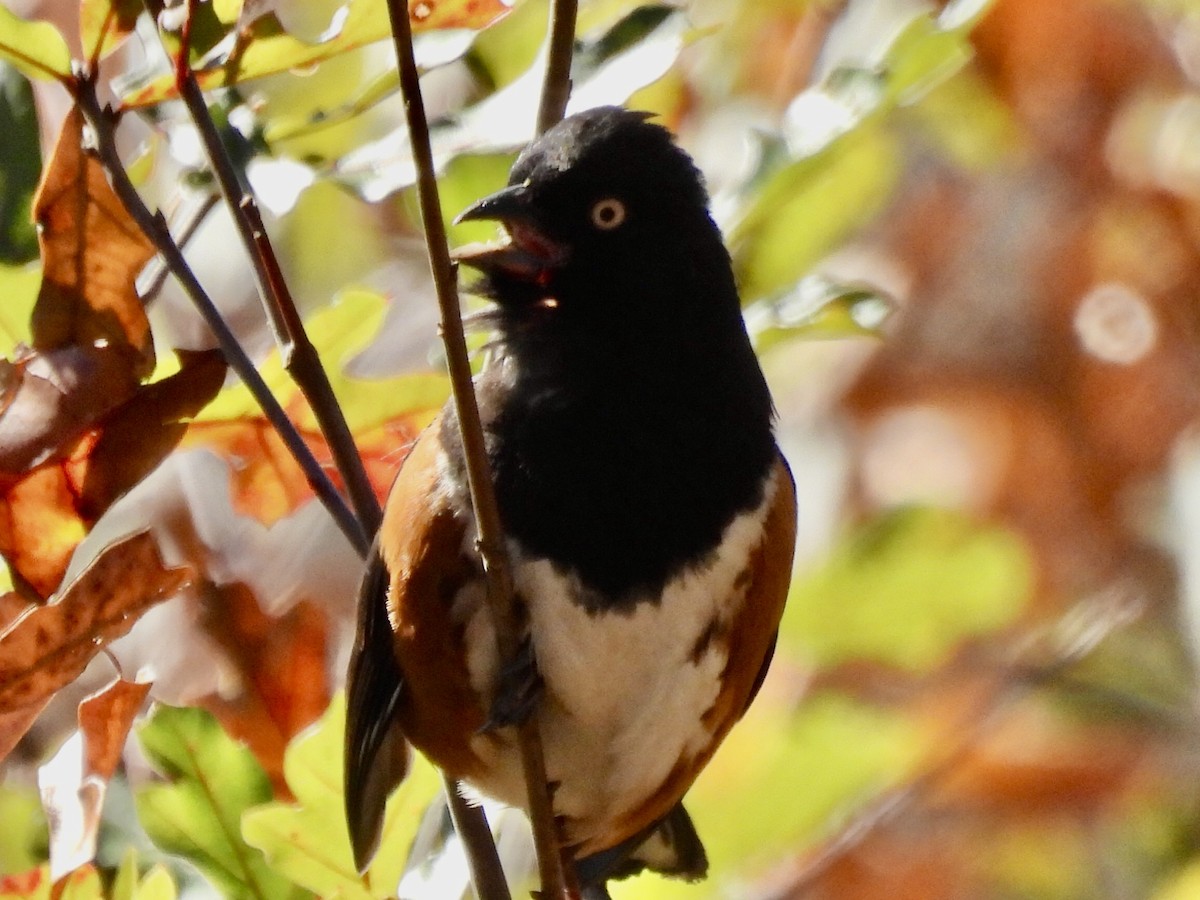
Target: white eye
column 608, row 214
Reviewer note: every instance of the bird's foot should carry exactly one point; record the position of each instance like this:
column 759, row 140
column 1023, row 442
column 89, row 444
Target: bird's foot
column 519, row 690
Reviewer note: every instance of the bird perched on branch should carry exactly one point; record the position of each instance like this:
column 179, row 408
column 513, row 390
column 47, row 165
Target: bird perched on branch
column 649, row 515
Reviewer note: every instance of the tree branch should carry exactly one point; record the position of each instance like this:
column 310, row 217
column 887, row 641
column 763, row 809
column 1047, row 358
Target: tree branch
column 299, row 356
column 556, row 87
column 155, row 228
column 552, row 873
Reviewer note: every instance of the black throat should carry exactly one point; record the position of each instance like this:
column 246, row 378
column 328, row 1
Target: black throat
column 627, row 424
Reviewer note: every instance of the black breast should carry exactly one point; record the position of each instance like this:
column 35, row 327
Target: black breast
column 621, row 458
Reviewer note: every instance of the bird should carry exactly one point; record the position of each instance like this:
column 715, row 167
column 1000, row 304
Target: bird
column 648, row 512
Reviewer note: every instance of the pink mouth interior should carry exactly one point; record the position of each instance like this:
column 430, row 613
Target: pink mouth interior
column 533, row 242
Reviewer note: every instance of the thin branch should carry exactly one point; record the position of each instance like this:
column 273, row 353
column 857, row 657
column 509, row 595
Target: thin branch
column 155, row 228
column 156, row 272
column 556, row 88
column 299, row 356
column 492, row 550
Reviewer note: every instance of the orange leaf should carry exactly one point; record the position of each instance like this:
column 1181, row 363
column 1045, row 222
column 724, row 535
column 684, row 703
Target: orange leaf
column 282, row 664
column 73, row 784
column 91, row 253
column 49, row 646
column 105, row 719
column 47, row 510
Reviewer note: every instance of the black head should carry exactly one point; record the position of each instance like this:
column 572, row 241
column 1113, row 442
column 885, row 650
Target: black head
column 604, row 207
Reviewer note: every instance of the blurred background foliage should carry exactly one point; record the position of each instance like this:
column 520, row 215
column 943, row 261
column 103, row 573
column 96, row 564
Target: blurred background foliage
column 968, row 239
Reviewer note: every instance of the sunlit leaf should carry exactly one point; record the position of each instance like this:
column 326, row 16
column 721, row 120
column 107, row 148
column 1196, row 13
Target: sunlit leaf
column 36, row 48
column 818, row 310
column 156, row 884
column 907, row 590
column 105, row 24
column 632, row 53
column 73, row 784
column 265, row 48
column 59, row 471
column 282, row 664
column 309, row 842
column 23, row 837
column 385, row 414
column 49, row 646
column 81, row 884
column 197, row 814
column 19, row 285
column 91, row 253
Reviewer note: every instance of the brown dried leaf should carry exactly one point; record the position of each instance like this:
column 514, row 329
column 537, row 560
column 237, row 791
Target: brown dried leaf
column 48, row 647
column 91, row 253
column 105, row 719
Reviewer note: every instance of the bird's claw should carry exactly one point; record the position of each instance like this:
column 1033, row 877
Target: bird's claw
column 518, row 692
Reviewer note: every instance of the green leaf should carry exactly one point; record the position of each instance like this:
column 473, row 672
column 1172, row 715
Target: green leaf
column 156, row 884
column 340, row 331
column 844, row 159
column 105, row 24
column 19, row 287
column 907, row 589
column 308, row 841
column 818, row 309
column 36, row 48
column 23, row 837
column 212, row 780
column 810, row 206
column 20, row 167
column 265, row 48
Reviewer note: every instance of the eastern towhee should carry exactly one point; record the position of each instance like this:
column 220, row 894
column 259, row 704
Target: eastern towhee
column 650, row 516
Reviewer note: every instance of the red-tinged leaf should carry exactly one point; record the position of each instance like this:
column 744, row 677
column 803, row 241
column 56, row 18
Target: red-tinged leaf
column 105, row 24
column 105, row 719
column 267, row 484
column 281, row 664
column 136, row 437
column 73, row 784
column 32, row 885
column 265, row 48
column 12, row 607
column 91, row 253
column 47, row 510
column 48, row 647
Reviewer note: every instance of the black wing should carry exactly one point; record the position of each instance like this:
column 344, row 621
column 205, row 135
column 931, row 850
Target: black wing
column 376, row 759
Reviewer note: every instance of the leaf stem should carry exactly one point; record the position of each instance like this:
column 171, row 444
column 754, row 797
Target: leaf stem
column 556, row 87
column 155, row 228
column 300, row 357
column 490, row 536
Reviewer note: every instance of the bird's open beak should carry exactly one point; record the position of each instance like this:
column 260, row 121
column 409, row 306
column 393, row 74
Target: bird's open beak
column 527, row 254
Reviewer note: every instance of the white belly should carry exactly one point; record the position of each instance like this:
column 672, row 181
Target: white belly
column 625, row 692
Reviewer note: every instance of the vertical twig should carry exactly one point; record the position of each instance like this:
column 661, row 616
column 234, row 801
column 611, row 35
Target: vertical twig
column 299, row 356
column 155, row 228
column 556, row 87
column 490, row 535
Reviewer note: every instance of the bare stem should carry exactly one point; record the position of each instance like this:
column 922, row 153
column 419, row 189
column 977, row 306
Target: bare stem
column 299, row 355
column 156, row 272
column 556, row 87
column 492, row 549
column 155, row 228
